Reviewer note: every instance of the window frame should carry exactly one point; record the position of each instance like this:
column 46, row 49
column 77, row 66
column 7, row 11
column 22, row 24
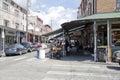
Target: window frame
column 6, row 23
column 5, row 6
column 117, row 4
column 16, row 12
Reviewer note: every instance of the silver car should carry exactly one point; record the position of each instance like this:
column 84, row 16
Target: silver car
column 116, row 56
column 15, row 49
column 116, row 52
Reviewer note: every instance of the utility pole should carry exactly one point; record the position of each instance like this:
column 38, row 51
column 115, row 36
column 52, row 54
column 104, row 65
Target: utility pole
column 27, row 5
column 3, row 37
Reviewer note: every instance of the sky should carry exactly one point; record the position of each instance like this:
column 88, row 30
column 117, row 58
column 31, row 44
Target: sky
column 53, row 12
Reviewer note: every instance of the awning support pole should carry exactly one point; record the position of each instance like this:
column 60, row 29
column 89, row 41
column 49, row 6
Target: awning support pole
column 109, row 42
column 63, row 42
column 95, row 41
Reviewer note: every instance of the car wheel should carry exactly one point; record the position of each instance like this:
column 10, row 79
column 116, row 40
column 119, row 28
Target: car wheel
column 20, row 53
column 6, row 55
column 30, row 50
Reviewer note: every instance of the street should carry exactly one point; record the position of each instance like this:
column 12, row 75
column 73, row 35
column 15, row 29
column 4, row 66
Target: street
column 28, row 67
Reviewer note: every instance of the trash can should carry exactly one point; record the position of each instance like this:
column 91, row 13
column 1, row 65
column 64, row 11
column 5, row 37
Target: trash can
column 102, row 53
column 42, row 54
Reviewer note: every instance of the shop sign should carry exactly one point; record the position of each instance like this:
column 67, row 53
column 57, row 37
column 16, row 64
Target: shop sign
column 3, row 34
column 10, row 33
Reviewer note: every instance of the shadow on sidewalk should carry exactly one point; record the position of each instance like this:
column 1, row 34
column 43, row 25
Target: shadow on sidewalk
column 82, row 55
column 114, row 67
column 78, row 58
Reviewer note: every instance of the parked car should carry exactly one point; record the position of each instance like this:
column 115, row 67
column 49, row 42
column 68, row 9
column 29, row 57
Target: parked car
column 15, row 49
column 116, row 52
column 0, row 53
column 116, row 56
column 29, row 46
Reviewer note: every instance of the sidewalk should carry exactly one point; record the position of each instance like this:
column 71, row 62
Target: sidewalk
column 83, row 56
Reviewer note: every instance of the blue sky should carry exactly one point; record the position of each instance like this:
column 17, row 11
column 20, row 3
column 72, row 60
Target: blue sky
column 49, row 3
column 53, row 12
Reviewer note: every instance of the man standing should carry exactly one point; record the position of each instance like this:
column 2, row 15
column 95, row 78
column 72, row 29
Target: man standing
column 38, row 50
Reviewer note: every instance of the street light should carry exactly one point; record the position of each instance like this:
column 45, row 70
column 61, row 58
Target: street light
column 3, row 37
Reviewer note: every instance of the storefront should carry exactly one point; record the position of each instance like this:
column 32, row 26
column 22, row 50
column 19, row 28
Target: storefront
column 10, row 36
column 104, row 31
column 30, row 37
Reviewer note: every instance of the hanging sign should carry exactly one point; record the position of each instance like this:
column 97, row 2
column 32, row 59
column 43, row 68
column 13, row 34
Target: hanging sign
column 3, row 34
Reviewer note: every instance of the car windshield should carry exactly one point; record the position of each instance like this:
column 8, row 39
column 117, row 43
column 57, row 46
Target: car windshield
column 16, row 46
column 25, row 44
column 19, row 46
column 11, row 46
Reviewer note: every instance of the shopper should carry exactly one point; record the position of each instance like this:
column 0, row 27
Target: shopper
column 38, row 50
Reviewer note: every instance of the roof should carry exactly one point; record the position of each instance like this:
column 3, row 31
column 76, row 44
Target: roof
column 111, row 15
column 90, row 19
column 54, row 32
column 58, row 35
column 75, row 24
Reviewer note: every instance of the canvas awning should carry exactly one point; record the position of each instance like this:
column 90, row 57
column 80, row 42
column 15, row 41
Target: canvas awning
column 54, row 32
column 90, row 19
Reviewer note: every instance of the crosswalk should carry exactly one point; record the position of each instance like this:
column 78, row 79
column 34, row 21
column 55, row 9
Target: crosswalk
column 64, row 70
column 20, row 58
column 81, row 72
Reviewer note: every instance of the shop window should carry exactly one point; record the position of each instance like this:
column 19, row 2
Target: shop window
column 102, row 35
column 116, row 38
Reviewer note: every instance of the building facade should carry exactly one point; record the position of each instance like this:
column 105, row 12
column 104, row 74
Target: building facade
column 89, row 7
column 48, row 29
column 35, row 26
column 12, row 21
column 107, row 30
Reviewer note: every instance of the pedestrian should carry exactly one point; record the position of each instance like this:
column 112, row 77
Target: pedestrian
column 15, row 42
column 38, row 50
column 77, row 46
column 66, row 47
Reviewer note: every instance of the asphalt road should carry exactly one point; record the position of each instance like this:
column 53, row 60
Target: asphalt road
column 28, row 67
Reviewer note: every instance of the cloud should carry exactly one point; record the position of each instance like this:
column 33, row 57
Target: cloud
column 43, row 6
column 55, row 16
column 24, row 2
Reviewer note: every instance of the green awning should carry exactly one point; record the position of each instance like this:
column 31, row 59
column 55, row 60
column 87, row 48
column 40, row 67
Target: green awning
column 112, row 15
column 90, row 19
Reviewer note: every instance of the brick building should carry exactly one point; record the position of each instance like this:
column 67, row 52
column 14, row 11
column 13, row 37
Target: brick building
column 89, row 7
